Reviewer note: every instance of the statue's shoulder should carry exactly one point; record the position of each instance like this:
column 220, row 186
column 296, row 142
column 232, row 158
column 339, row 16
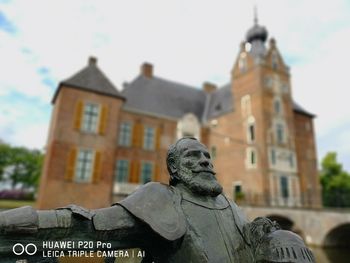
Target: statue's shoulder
column 157, row 205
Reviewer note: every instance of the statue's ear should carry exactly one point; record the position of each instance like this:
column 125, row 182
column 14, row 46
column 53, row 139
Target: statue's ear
column 172, row 166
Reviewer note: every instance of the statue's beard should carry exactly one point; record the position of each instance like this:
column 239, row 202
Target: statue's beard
column 201, row 183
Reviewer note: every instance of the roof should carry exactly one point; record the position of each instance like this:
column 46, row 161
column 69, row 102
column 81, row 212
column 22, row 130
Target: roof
column 90, row 78
column 299, row 109
column 163, row 97
column 219, row 102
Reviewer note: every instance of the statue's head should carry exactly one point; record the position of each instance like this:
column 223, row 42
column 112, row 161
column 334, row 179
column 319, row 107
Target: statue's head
column 189, row 163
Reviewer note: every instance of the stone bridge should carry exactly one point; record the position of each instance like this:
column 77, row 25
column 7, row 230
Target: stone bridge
column 321, row 227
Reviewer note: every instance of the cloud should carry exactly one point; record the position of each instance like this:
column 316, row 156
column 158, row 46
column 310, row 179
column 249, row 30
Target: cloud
column 6, row 24
column 24, row 121
column 187, row 41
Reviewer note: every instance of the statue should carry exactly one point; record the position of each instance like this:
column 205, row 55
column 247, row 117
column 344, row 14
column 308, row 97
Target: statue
column 189, row 220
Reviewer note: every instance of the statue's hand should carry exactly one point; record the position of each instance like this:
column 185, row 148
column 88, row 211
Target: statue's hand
column 258, row 229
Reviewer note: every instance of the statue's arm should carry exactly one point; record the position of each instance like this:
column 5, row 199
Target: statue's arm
column 113, row 224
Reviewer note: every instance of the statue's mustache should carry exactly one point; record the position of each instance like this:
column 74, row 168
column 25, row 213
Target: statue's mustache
column 204, row 171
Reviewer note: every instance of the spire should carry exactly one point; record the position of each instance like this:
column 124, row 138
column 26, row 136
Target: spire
column 255, row 15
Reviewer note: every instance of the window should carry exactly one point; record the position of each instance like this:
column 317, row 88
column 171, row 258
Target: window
column 280, row 133
column 83, row 168
column 148, row 138
column 273, row 156
column 251, row 160
column 124, row 134
column 284, row 186
column 268, row 82
column 277, row 106
column 251, row 132
column 122, row 171
column 213, row 152
column 274, row 60
column 284, row 87
column 237, row 191
column 252, row 157
column 242, row 63
column 146, row 172
column 90, row 118
column 246, row 105
column 291, row 160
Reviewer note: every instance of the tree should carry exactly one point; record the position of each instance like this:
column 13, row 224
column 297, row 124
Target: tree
column 22, row 165
column 335, row 182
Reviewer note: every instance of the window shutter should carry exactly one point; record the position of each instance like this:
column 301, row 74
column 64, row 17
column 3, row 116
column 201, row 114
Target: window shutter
column 103, row 120
column 135, row 170
column 156, row 173
column 78, row 115
column 96, row 171
column 158, row 138
column 141, row 134
column 135, row 134
column 132, row 170
column 69, row 175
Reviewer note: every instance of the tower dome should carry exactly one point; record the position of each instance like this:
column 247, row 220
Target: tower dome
column 257, row 32
column 257, row 36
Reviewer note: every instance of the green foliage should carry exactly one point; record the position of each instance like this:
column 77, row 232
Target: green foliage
column 21, row 164
column 335, row 182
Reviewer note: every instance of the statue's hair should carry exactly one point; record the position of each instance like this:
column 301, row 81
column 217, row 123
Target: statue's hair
column 173, row 157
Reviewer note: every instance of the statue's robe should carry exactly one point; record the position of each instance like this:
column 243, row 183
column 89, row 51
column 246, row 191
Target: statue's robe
column 197, row 229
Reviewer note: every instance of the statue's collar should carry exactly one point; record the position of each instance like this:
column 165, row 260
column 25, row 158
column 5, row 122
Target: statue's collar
column 218, row 202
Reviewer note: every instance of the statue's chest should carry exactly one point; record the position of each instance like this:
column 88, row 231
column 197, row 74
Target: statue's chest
column 211, row 233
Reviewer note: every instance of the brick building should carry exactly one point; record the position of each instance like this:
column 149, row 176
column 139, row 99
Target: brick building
column 103, row 143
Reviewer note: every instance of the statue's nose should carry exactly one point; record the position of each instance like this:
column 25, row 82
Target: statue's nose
column 204, row 161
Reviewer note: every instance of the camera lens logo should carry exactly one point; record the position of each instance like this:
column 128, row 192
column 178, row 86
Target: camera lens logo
column 29, row 249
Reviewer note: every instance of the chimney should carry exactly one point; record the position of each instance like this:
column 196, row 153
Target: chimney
column 92, row 61
column 209, row 87
column 147, row 70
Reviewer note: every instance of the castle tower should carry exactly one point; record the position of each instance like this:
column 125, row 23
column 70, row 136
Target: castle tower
column 81, row 144
column 263, row 157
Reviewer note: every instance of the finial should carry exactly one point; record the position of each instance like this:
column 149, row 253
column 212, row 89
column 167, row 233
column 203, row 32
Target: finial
column 255, row 15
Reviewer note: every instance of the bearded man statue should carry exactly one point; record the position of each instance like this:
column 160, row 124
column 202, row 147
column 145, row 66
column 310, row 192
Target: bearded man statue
column 189, row 220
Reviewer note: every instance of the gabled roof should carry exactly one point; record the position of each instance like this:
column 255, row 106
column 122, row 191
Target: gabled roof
column 162, row 97
column 92, row 79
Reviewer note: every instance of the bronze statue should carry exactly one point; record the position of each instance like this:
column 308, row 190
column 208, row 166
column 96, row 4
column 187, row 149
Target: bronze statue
column 189, row 220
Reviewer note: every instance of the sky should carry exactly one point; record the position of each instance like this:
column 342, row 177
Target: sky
column 189, row 41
